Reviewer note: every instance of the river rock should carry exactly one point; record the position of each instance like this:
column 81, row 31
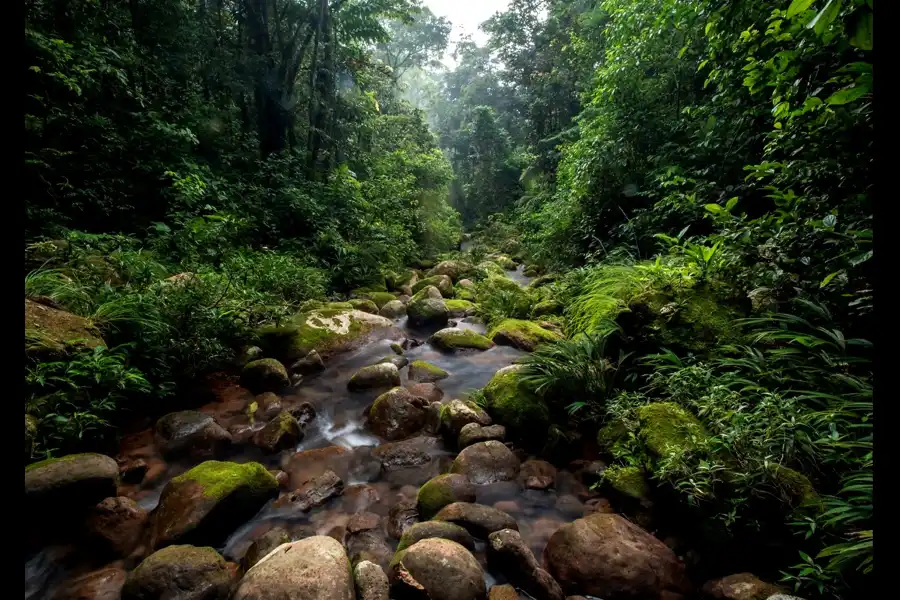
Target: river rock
column 397, row 414
column 436, row 529
column 606, row 555
column 116, row 525
column 305, row 465
column 181, row 573
column 268, row 405
column 327, row 330
column 437, row 569
column 393, row 309
column 486, row 462
column 359, row 497
column 401, row 516
column 367, row 543
column 304, row 412
column 458, row 413
column 442, row 282
column 375, row 376
column 315, row 492
column 428, row 391
column 454, row 269
column 457, row 338
column 427, row 308
column 365, row 305
column 426, row 372
column 740, row 586
column 308, row 365
column 264, row 544
column 192, row 433
column 472, row 433
column 104, row 584
column 441, row 491
column 82, row 480
column 315, row 568
column 503, row 592
column 264, row 375
column 397, row 361
column 537, row 475
column 207, row 503
column 508, row 554
column 411, row 453
column 279, row 434
column 477, row 519
column 521, row 334
column 370, row 581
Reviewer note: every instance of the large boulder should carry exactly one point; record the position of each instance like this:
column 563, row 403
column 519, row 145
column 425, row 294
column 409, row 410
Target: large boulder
column 472, row 433
column 82, row 480
column 264, row 544
column 443, row 283
column 205, row 504
column 508, row 554
column 461, row 307
column 740, row 586
column 393, row 309
column 381, row 298
column 524, row 335
column 325, row 330
column 426, row 309
column 412, row 453
column 382, row 375
column 51, row 332
column 455, row 338
column 436, row 569
column 487, row 462
column 454, row 269
column 181, row 573
column 370, row 581
column 442, row 490
column 606, row 555
column 279, row 434
column 456, row 414
column 478, row 519
column 115, row 526
column 514, row 405
column 397, row 414
column 308, row 464
column 190, row 432
column 436, row 529
column 425, row 372
column 265, row 375
column 315, row 568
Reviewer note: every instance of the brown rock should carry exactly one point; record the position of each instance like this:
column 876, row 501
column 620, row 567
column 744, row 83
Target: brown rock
column 105, row 584
column 457, row 414
column 503, row 592
column 80, row 479
column 369, row 545
column 401, row 516
column 486, row 462
column 264, row 544
column 359, row 497
column 363, row 521
column 477, row 519
column 133, row 472
column 304, row 412
column 315, row 492
column 116, row 525
column 396, row 414
column 192, row 433
column 537, row 474
column 605, row 555
column 370, row 581
column 414, row 452
column 473, row 433
column 740, row 586
column 569, row 506
column 437, row 569
column 436, row 529
column 279, row 434
column 268, row 404
column 429, row 391
column 305, row 465
column 508, row 554
column 181, row 573
column 442, row 490
column 58, row 330
column 597, row 505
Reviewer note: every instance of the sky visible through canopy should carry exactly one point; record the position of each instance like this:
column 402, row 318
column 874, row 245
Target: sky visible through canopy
column 466, row 15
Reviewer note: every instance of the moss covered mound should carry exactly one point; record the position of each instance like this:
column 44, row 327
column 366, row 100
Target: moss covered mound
column 547, row 307
column 511, row 404
column 50, row 331
column 324, row 330
column 443, row 283
column 629, row 481
column 427, row 310
column 489, row 267
column 181, row 572
column 81, row 479
column 454, row 269
column 455, row 338
column 524, row 335
column 264, row 375
column 464, row 293
column 380, row 298
column 435, row 529
column 666, row 428
column 425, row 372
column 442, row 490
column 365, row 305
column 460, row 308
column 207, row 503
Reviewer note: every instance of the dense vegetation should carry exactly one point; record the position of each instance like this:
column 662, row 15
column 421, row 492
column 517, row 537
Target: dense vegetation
column 691, row 178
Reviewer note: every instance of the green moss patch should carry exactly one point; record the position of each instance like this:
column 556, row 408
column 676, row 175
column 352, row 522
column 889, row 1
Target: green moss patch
column 380, row 298
column 629, row 481
column 524, row 335
column 667, row 428
column 513, row 405
column 219, row 479
column 454, row 338
column 364, row 305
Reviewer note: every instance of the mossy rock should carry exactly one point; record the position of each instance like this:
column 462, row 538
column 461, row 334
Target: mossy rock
column 456, row 338
column 280, row 433
column 339, row 305
column 325, row 330
column 505, row 262
column 381, row 298
column 460, row 308
column 425, row 372
column 531, row 271
column 264, row 375
column 612, row 438
column 427, row 311
column 795, row 487
column 502, row 282
column 395, row 280
column 442, row 490
column 628, row 481
column 364, row 305
column 465, row 293
column 547, row 307
column 666, row 429
column 52, row 333
column 310, row 305
column 442, row 282
column 377, row 286
column 181, row 571
column 524, row 335
column 207, row 503
column 512, row 404
column 435, row 529
column 81, row 479
column 543, row 280
column 489, row 267
column 454, row 269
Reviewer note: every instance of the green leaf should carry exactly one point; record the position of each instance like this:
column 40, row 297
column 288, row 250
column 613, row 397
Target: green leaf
column 828, row 279
column 829, row 221
column 714, row 208
column 828, row 14
column 731, row 203
column 797, row 7
column 848, row 95
column 856, row 67
column 862, row 37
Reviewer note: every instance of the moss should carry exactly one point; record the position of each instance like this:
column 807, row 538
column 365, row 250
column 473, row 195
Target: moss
column 315, row 330
column 368, row 289
column 380, row 298
column 525, row 335
column 612, row 438
column 627, row 480
column 251, row 411
column 311, row 305
column 454, row 339
column 364, row 305
column 547, row 307
column 489, row 268
column 505, row 262
column 429, row 368
column 667, row 428
column 50, row 461
column 339, row 305
column 465, row 293
column 433, row 496
column 200, row 557
column 461, row 306
column 219, row 479
column 796, row 487
column 442, row 282
column 511, row 404
column 502, row 282
column 397, row 348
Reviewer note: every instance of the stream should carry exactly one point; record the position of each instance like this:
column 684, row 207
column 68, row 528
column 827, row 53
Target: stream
column 340, row 421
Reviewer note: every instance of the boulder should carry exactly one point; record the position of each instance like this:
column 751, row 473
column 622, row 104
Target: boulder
column 537, row 475
column 456, row 414
column 366, row 305
column 478, row 519
column 268, row 405
column 411, row 453
column 181, row 573
column 442, row 490
column 508, row 554
column 115, row 526
column 443, row 283
column 382, row 375
column 381, row 298
column 308, row 365
column 52, row 332
column 315, row 492
column 461, row 307
column 401, row 516
column 393, row 309
column 429, row 311
column 466, row 284
column 104, row 584
column 205, row 504
column 454, row 269
column 397, row 361
column 303, row 466
column 315, row 568
column 265, row 375
column 366, row 540
column 436, row 569
column 82, row 479
column 606, row 555
column 427, row 391
column 325, row 330
column 472, row 433
column 436, row 529
column 191, row 433
column 425, row 372
column 487, row 462
column 666, row 428
column 628, row 483
column 304, row 412
column 524, row 335
column 397, row 414
column 515, row 406
column 740, row 586
column 503, row 592
column 547, row 307
column 279, row 434
column 264, row 544
column 455, row 338
column 370, row 581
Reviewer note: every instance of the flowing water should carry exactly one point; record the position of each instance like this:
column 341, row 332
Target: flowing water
column 368, row 485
